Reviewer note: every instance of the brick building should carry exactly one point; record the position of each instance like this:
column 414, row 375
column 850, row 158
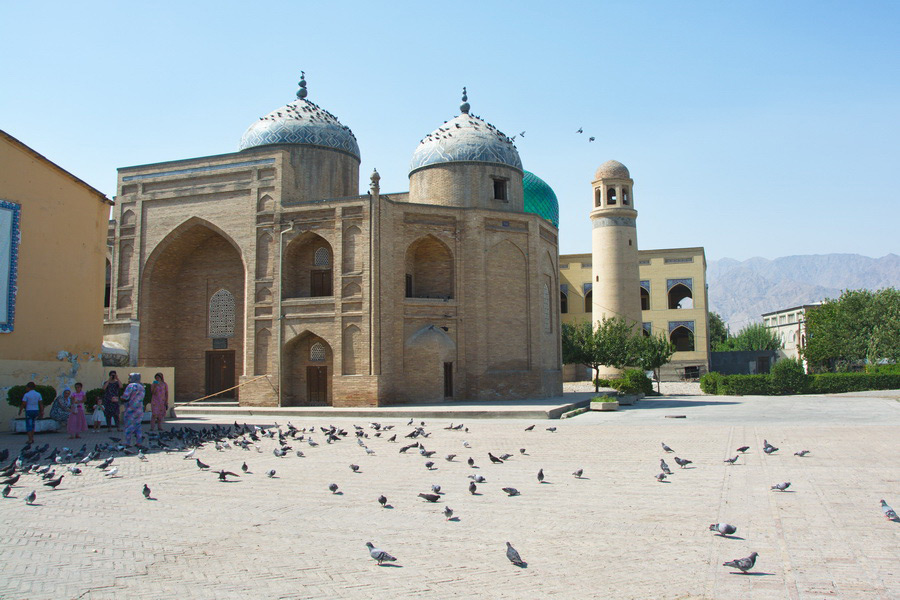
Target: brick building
column 266, row 267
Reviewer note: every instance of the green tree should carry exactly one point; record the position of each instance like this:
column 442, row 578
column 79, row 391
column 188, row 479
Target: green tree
column 861, row 326
column 611, row 342
column 718, row 331
column 653, row 352
column 753, row 337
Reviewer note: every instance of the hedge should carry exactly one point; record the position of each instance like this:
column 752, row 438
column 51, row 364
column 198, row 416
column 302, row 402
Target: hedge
column 15, row 393
column 787, row 381
column 745, row 385
column 835, row 383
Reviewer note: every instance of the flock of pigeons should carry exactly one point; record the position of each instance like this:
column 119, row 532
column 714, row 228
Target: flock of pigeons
column 51, row 469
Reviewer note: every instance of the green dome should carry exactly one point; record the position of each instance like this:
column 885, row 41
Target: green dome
column 539, row 198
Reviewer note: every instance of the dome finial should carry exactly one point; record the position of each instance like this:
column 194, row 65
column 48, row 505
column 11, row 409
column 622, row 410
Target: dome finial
column 464, row 107
column 301, row 93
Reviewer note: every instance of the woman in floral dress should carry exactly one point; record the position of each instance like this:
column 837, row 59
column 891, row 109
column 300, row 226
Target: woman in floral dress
column 159, row 401
column 134, row 408
column 77, row 421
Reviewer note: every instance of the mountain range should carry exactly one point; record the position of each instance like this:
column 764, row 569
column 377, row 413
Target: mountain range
column 741, row 291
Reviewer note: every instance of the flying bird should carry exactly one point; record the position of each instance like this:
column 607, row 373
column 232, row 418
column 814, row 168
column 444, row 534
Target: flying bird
column 743, row 564
column 379, row 554
column 580, row 130
column 723, row 528
column 514, row 557
column 591, row 139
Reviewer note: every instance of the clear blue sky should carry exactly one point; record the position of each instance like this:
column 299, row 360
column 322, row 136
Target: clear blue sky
column 750, row 128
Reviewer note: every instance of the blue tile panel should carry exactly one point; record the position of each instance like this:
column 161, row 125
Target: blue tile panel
column 9, row 251
column 687, row 282
column 465, row 138
column 646, row 285
column 301, row 122
column 249, row 163
column 540, row 198
column 673, row 325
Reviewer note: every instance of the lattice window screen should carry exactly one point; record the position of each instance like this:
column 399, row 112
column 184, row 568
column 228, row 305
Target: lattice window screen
column 221, row 315
column 317, row 352
column 322, row 258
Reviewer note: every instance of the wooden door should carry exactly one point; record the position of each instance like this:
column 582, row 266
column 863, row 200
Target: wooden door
column 220, row 373
column 317, row 385
column 448, row 380
column 320, row 283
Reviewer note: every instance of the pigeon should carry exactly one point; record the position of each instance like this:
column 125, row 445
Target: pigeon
column 190, row 454
column 661, row 477
column 666, row 448
column 521, row 450
column 141, row 456
column 887, row 510
column 580, row 130
column 112, row 472
column 146, row 491
column 467, row 444
column 477, row 478
column 770, row 449
column 427, row 453
column 74, row 470
column 379, row 554
column 393, row 438
column 731, row 461
column 436, row 489
column 12, row 480
column 551, row 429
column 511, row 491
column 529, row 428
column 450, row 457
column 578, row 473
column 743, row 449
column 277, row 452
column 245, row 468
column 105, row 463
column 382, row 500
column 202, row 464
column 743, row 564
column 430, row 497
column 30, row 498
column 683, row 462
column 540, row 476
column 270, row 473
column 55, row 482
column 723, row 528
column 8, row 489
column 429, row 465
column 223, row 474
column 505, row 456
column 801, row 453
column 333, row 487
column 471, row 462
column 494, row 459
column 448, row 512
column 591, row 139
column 300, row 454
column 781, row 486
column 472, row 488
column 514, row 557
column 665, row 467
column 354, row 468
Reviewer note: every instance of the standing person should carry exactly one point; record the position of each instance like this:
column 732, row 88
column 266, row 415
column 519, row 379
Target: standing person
column 112, row 389
column 34, row 409
column 159, row 401
column 98, row 415
column 77, row 421
column 59, row 411
column 134, row 408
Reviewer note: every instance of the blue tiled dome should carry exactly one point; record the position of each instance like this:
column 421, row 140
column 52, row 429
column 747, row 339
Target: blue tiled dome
column 301, row 122
column 540, row 198
column 465, row 138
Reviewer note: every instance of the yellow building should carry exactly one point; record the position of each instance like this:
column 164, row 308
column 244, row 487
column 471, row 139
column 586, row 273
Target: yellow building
column 673, row 301
column 52, row 255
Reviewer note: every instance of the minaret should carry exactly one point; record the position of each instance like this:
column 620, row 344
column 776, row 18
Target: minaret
column 615, row 282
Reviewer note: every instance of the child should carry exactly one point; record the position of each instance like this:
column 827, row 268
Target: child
column 97, row 417
column 77, row 423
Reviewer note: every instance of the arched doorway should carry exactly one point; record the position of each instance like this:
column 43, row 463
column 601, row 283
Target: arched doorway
column 682, row 338
column 308, row 370
column 192, row 310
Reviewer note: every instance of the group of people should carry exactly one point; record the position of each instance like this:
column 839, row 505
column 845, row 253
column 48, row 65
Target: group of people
column 69, row 407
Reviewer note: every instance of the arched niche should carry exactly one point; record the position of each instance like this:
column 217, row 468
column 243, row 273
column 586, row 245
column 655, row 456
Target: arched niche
column 429, row 356
column 682, row 338
column 352, row 351
column 507, row 302
column 429, row 269
column 308, row 370
column 353, row 250
column 308, row 267
column 264, row 246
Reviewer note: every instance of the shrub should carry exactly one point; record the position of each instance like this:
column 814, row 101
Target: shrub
column 709, row 383
column 599, row 383
column 787, row 377
column 634, row 381
column 15, row 393
column 604, row 399
column 745, row 385
column 836, row 383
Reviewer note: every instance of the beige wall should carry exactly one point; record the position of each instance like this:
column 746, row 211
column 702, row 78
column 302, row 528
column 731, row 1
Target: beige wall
column 61, row 269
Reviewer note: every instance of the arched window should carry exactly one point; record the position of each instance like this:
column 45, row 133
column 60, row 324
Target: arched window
column 563, row 303
column 610, row 196
column 317, row 352
column 682, row 338
column 645, row 299
column 221, row 315
column 598, row 197
column 680, row 294
column 322, row 257
column 588, row 308
column 626, row 197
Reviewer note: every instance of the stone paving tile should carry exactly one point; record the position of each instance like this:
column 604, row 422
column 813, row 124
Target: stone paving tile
column 618, row 533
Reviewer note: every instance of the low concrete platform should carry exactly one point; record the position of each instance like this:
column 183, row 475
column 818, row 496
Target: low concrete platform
column 540, row 408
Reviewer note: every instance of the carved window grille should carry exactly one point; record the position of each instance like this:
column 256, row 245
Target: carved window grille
column 221, row 315
column 322, row 258
column 317, row 352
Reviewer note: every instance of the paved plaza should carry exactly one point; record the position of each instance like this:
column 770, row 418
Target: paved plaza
column 616, row 533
